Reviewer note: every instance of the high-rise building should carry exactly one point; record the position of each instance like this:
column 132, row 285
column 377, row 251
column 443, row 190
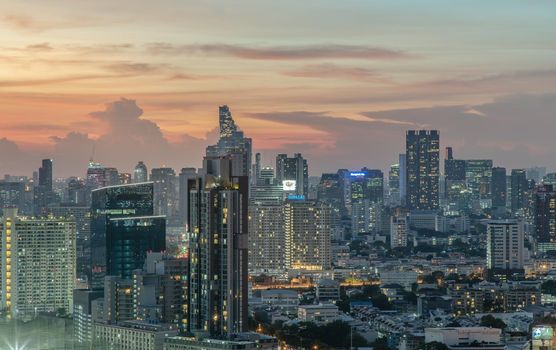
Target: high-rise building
column 367, row 184
column 44, row 194
column 184, row 176
column 140, row 173
column 365, row 217
column 398, row 231
column 519, row 189
column 128, row 239
column 165, row 192
column 12, row 194
column 95, row 175
column 544, row 217
column 308, row 235
column 38, row 264
column 122, row 201
column 160, row 290
column 423, row 169
column 232, row 143
column 498, row 187
column 394, row 185
column 454, row 169
column 293, row 173
column 125, row 179
column 78, row 193
column 82, row 217
column 478, row 175
column 218, row 221
column 266, row 237
column 505, row 245
column 403, row 178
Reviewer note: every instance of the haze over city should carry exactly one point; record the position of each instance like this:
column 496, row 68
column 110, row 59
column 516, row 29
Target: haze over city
column 341, row 80
column 277, row 175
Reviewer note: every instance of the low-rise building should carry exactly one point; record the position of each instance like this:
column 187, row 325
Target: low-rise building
column 465, row 337
column 133, row 335
column 320, row 314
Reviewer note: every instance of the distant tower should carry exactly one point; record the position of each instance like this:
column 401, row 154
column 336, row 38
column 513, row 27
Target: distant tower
column 140, row 173
column 423, row 169
column 233, row 143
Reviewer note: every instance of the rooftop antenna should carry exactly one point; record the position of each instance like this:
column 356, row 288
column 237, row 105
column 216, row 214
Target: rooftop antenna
column 92, row 153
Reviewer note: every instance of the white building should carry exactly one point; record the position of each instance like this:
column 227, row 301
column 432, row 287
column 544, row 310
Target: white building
column 505, row 245
column 461, row 337
column 38, row 264
column 404, row 278
column 266, row 237
column 320, row 314
column 308, row 235
column 365, row 217
column 133, row 335
column 398, row 231
column 328, row 290
column 284, row 299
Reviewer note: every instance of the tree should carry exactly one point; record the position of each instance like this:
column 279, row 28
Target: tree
column 434, row 346
column 380, row 344
column 549, row 287
column 492, row 322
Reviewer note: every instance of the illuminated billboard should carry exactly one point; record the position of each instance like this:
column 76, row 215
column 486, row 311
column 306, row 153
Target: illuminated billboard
column 289, row 185
column 358, row 174
column 543, row 333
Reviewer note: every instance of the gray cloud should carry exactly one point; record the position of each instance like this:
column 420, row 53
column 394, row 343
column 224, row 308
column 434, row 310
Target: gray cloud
column 330, row 70
column 515, row 131
column 336, row 51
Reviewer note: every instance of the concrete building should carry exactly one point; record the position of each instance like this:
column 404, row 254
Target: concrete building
column 328, row 290
column 308, row 235
column 38, row 264
column 132, row 335
column 398, row 231
column 465, row 337
column 266, row 237
column 320, row 314
column 505, row 245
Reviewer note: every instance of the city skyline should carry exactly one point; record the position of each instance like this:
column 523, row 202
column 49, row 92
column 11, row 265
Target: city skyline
column 74, row 76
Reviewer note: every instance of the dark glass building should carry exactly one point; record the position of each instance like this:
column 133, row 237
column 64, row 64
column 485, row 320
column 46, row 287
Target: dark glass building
column 294, row 171
column 498, row 187
column 128, row 239
column 123, row 201
column 423, row 169
column 218, row 250
column 519, row 189
column 544, row 198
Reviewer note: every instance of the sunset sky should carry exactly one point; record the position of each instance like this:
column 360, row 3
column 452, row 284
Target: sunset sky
column 339, row 81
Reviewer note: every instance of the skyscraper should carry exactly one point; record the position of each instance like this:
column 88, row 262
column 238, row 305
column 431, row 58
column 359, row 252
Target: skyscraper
column 505, row 246
column 128, row 239
column 454, row 169
column 218, row 221
column 308, row 235
column 232, row 143
column 544, row 217
column 519, row 189
column 140, row 173
column 293, row 173
column 478, row 174
column 123, row 201
column 165, row 192
column 498, row 187
column 403, row 178
column 44, row 194
column 38, row 264
column 184, row 176
column 422, row 153
column 398, row 230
